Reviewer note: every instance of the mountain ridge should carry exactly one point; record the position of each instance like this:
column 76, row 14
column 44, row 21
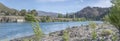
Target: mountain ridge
column 95, row 13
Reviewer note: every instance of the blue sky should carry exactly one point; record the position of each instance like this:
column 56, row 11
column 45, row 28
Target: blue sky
column 59, row 6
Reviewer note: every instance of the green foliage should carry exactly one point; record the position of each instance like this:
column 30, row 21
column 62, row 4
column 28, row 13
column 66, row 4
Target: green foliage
column 30, row 17
column 94, row 35
column 67, row 16
column 65, row 36
column 106, row 18
column 26, row 40
column 36, row 27
column 114, row 16
column 6, row 11
column 23, row 12
column 34, row 12
column 60, row 16
column 102, row 40
column 115, row 37
column 37, row 30
column 106, row 32
column 92, row 25
column 46, row 19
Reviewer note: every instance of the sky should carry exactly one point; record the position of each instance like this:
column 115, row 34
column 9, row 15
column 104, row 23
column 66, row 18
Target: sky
column 59, row 6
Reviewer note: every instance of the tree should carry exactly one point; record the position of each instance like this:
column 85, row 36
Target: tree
column 114, row 15
column 60, row 15
column 74, row 16
column 15, row 12
column 30, row 17
column 23, row 12
column 67, row 16
column 34, row 12
column 48, row 19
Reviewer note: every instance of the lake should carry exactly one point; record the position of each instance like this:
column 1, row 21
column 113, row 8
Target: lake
column 16, row 30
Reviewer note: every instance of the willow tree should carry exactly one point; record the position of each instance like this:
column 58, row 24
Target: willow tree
column 114, row 15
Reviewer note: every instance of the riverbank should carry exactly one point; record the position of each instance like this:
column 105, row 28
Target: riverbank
column 9, row 19
column 81, row 33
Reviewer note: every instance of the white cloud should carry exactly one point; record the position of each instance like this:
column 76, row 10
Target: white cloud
column 103, row 3
column 51, row 0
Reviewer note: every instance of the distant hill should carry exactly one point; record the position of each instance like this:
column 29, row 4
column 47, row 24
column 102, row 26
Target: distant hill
column 95, row 13
column 4, row 9
column 51, row 14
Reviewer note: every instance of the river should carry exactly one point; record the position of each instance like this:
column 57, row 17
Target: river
column 15, row 30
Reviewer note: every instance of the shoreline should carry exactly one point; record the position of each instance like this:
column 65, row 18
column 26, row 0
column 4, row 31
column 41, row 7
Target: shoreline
column 76, row 33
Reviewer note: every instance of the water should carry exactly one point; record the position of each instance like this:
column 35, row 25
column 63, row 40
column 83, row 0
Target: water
column 15, row 30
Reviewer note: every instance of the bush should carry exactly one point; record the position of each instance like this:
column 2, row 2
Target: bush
column 30, row 17
column 114, row 16
column 106, row 32
column 37, row 30
column 35, row 25
column 92, row 25
column 26, row 40
column 65, row 35
column 115, row 37
column 94, row 35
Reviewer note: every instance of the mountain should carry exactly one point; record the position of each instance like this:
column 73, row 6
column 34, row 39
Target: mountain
column 51, row 14
column 94, row 13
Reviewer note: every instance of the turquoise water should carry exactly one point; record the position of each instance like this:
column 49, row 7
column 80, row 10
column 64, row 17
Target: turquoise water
column 15, row 30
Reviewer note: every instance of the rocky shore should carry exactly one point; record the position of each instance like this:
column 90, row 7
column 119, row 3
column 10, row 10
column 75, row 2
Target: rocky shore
column 104, row 32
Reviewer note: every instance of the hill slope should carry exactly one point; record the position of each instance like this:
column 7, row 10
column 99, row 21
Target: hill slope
column 51, row 14
column 95, row 13
column 5, row 10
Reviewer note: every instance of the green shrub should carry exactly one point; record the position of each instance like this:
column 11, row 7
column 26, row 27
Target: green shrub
column 26, row 40
column 30, row 17
column 106, row 32
column 92, row 25
column 37, row 30
column 36, row 27
column 65, row 36
column 114, row 16
column 94, row 35
column 115, row 37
